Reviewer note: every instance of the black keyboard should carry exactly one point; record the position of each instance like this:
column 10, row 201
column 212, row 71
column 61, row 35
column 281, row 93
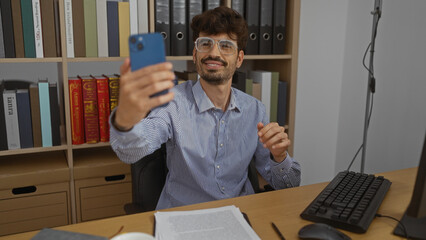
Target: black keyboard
column 350, row 201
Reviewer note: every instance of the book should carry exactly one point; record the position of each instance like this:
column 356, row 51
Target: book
column 35, row 115
column 78, row 28
column 11, row 119
column 282, row 103
column 257, row 90
column 3, row 140
column 45, row 120
column 264, row 78
column 178, row 28
column 76, row 110
column 252, row 16
column 226, row 222
column 239, row 81
column 274, row 95
column 186, row 75
column 28, row 28
column 112, row 25
column 238, row 5
column 102, row 28
column 38, row 33
column 24, row 118
column 48, row 29
column 249, row 86
column 69, row 36
column 55, row 117
column 194, row 8
column 90, row 109
column 57, row 28
column 133, row 16
column 265, row 26
column 114, row 85
column 124, row 28
column 103, row 107
column 90, row 28
column 278, row 30
column 8, row 37
column 143, row 16
column 2, row 53
column 211, row 4
column 17, row 29
column 162, row 21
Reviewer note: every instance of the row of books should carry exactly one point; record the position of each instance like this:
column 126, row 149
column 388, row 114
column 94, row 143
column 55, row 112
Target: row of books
column 29, row 114
column 266, row 87
column 29, row 28
column 92, row 98
column 265, row 20
column 101, row 28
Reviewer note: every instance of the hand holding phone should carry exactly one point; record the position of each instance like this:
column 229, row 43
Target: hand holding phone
column 136, row 97
column 146, row 49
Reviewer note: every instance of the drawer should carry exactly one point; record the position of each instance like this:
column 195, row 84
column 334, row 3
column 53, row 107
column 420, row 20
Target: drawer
column 97, row 198
column 35, row 211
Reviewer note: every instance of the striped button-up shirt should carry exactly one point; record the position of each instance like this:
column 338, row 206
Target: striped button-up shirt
column 208, row 150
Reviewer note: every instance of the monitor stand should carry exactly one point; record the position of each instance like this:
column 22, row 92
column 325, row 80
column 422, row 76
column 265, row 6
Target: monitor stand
column 416, row 227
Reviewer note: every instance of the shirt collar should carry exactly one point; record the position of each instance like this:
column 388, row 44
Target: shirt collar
column 203, row 102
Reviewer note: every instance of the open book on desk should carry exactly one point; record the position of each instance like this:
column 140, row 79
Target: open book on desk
column 208, row 224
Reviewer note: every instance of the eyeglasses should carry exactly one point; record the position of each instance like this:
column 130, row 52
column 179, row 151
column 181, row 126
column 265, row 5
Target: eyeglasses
column 205, row 44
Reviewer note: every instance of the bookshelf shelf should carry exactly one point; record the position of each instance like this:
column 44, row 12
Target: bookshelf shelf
column 30, row 60
column 285, row 64
column 33, row 150
column 91, row 145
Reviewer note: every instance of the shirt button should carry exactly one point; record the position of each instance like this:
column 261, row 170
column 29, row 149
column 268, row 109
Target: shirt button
column 282, row 170
column 223, row 188
column 223, row 122
column 221, row 144
column 217, row 166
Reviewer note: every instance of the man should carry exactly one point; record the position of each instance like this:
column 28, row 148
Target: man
column 211, row 131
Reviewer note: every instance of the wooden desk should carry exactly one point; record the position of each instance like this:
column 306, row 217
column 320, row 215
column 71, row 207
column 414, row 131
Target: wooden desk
column 282, row 207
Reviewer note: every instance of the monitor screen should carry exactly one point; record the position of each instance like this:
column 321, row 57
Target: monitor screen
column 414, row 219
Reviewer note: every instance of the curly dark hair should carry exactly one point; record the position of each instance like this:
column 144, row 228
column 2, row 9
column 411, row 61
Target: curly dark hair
column 221, row 20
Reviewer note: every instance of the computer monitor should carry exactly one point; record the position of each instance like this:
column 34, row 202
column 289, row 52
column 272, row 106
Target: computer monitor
column 414, row 219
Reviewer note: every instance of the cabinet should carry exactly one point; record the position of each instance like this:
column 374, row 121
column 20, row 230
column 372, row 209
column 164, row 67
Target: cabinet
column 77, row 157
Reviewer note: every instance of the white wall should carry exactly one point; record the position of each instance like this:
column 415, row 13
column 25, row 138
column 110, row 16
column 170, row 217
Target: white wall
column 332, row 86
column 321, row 51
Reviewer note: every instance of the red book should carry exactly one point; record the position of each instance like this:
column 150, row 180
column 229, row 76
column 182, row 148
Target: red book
column 90, row 105
column 114, row 86
column 103, row 107
column 76, row 110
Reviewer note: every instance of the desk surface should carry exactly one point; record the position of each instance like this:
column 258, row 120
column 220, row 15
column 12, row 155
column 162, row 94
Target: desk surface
column 283, row 207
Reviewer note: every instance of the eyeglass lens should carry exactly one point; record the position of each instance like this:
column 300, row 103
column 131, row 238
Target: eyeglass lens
column 206, row 44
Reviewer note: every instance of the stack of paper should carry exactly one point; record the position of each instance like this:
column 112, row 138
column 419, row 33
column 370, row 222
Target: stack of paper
column 216, row 223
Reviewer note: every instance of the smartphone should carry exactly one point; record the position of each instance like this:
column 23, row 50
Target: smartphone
column 146, row 49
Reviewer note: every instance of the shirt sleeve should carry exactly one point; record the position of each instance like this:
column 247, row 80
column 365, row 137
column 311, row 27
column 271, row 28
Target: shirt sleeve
column 143, row 139
column 285, row 174
column 281, row 175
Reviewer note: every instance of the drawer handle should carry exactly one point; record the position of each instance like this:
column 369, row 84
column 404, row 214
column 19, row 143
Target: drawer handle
column 24, row 190
column 115, row 178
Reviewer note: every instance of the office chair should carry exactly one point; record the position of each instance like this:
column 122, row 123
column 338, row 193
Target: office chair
column 149, row 176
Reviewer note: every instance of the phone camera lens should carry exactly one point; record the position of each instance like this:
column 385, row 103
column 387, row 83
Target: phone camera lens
column 140, row 46
column 132, row 39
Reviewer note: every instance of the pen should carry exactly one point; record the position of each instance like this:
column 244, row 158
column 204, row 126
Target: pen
column 277, row 231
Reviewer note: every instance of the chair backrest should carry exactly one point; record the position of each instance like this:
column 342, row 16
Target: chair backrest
column 148, row 179
column 149, row 176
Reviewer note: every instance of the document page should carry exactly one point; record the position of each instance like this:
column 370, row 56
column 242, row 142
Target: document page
column 208, row 224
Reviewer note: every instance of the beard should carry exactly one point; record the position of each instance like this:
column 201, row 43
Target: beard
column 216, row 77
